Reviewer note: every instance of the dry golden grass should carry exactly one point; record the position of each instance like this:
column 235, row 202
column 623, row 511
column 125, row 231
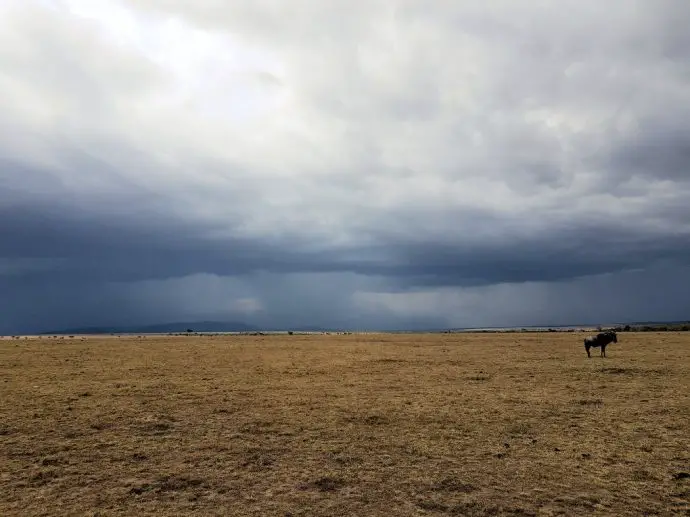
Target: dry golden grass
column 447, row 424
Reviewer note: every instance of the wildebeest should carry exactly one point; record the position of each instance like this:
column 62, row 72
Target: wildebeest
column 600, row 340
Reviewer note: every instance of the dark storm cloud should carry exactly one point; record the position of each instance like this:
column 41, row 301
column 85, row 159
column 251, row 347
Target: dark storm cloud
column 661, row 149
column 454, row 146
column 85, row 248
column 442, row 265
column 79, row 249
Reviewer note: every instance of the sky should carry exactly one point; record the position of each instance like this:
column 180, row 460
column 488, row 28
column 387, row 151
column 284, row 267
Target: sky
column 357, row 164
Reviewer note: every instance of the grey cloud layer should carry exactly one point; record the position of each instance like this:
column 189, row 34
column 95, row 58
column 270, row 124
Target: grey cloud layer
column 420, row 147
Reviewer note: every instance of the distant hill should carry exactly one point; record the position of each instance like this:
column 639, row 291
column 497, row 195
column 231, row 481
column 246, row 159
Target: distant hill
column 307, row 328
column 161, row 328
column 236, row 326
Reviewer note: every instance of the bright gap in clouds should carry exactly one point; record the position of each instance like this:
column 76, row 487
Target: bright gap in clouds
column 206, row 71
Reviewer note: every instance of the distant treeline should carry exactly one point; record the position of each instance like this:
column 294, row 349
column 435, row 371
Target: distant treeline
column 651, row 327
column 673, row 327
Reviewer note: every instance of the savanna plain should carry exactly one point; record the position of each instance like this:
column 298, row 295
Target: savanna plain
column 360, row 424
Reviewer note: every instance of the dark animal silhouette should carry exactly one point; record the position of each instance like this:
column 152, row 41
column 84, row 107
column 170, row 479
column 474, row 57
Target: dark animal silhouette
column 600, row 340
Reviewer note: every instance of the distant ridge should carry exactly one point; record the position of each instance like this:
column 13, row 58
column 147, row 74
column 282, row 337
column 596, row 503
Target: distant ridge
column 580, row 325
column 182, row 326
column 237, row 326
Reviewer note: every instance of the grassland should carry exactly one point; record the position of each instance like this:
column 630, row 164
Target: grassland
column 445, row 424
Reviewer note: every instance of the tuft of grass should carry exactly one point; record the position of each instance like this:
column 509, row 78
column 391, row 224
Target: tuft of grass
column 324, row 484
column 43, row 477
column 519, row 429
column 590, row 402
column 451, row 484
column 618, row 370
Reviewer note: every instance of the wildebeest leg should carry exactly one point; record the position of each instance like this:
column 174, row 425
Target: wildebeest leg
column 587, row 349
column 603, row 350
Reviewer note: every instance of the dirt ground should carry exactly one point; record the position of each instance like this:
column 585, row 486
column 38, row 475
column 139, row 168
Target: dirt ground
column 444, row 424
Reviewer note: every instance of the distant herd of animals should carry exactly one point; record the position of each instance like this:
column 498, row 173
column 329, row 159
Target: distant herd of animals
column 600, row 341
